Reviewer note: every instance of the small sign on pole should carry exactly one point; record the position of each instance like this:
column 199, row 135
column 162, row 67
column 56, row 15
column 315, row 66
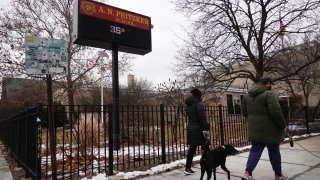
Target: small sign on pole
column 46, row 56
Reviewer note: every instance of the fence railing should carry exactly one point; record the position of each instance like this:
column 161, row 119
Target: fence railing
column 149, row 136
column 21, row 134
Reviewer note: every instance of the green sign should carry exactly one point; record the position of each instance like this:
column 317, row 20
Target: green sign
column 45, row 56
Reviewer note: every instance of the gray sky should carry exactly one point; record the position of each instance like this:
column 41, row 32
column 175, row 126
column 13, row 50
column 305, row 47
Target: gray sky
column 155, row 66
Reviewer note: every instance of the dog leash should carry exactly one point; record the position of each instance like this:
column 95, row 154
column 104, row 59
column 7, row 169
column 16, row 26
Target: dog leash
column 291, row 144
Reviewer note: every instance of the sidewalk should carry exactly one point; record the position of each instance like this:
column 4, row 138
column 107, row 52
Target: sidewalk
column 297, row 164
column 5, row 172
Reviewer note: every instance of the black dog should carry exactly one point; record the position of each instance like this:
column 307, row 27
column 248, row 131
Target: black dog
column 210, row 160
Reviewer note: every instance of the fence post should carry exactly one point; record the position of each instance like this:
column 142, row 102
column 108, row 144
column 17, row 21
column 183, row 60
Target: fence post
column 38, row 143
column 110, row 129
column 221, row 125
column 163, row 141
column 307, row 115
column 10, row 137
column 26, row 147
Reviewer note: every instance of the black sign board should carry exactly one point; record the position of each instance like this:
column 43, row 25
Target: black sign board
column 100, row 25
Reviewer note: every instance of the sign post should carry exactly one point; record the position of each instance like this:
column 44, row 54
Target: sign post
column 51, row 127
column 47, row 57
column 103, row 26
column 115, row 97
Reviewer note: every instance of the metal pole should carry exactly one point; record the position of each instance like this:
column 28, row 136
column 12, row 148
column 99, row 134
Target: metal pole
column 163, row 136
column 39, row 142
column 102, row 71
column 110, row 130
column 221, row 125
column 115, row 97
column 101, row 84
column 288, row 103
column 51, row 127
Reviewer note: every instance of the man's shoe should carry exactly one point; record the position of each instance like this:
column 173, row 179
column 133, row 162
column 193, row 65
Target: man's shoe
column 188, row 171
column 246, row 176
column 283, row 177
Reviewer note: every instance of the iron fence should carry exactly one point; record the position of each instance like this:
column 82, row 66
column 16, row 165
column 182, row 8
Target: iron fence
column 21, row 134
column 149, row 136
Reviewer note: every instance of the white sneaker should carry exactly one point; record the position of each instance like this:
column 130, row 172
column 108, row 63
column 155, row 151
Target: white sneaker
column 246, row 176
column 283, row 177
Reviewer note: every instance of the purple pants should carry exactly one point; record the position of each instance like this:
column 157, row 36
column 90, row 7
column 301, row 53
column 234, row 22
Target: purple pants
column 274, row 156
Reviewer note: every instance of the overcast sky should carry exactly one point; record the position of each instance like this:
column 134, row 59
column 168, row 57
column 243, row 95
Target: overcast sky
column 155, row 66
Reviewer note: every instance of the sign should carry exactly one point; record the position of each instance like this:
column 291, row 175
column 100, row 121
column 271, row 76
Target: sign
column 100, row 25
column 45, row 56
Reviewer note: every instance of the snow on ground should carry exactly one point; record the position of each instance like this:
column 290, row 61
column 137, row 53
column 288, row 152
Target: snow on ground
column 166, row 167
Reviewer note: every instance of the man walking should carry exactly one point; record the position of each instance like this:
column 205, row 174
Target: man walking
column 266, row 126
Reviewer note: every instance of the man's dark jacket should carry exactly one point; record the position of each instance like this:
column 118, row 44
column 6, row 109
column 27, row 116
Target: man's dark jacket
column 264, row 115
column 197, row 121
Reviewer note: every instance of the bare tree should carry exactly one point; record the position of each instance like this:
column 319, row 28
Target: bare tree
column 306, row 80
column 51, row 19
column 143, row 88
column 18, row 94
column 173, row 92
column 232, row 39
column 139, row 93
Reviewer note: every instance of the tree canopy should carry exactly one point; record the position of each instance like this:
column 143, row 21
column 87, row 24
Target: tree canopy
column 232, row 39
column 49, row 19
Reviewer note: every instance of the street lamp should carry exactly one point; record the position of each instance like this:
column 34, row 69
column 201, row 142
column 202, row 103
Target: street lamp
column 102, row 71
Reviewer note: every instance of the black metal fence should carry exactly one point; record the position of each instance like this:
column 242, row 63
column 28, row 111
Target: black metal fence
column 20, row 134
column 149, row 136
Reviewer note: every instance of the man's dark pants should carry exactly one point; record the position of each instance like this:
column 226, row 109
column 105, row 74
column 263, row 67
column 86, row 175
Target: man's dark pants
column 274, row 156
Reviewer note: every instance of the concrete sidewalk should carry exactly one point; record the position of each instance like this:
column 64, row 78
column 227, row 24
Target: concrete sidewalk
column 5, row 173
column 297, row 163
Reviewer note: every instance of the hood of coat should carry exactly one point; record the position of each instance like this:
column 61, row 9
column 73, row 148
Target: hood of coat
column 191, row 100
column 256, row 89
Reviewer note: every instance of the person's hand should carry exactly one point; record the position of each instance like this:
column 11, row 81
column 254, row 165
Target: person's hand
column 205, row 134
column 285, row 129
